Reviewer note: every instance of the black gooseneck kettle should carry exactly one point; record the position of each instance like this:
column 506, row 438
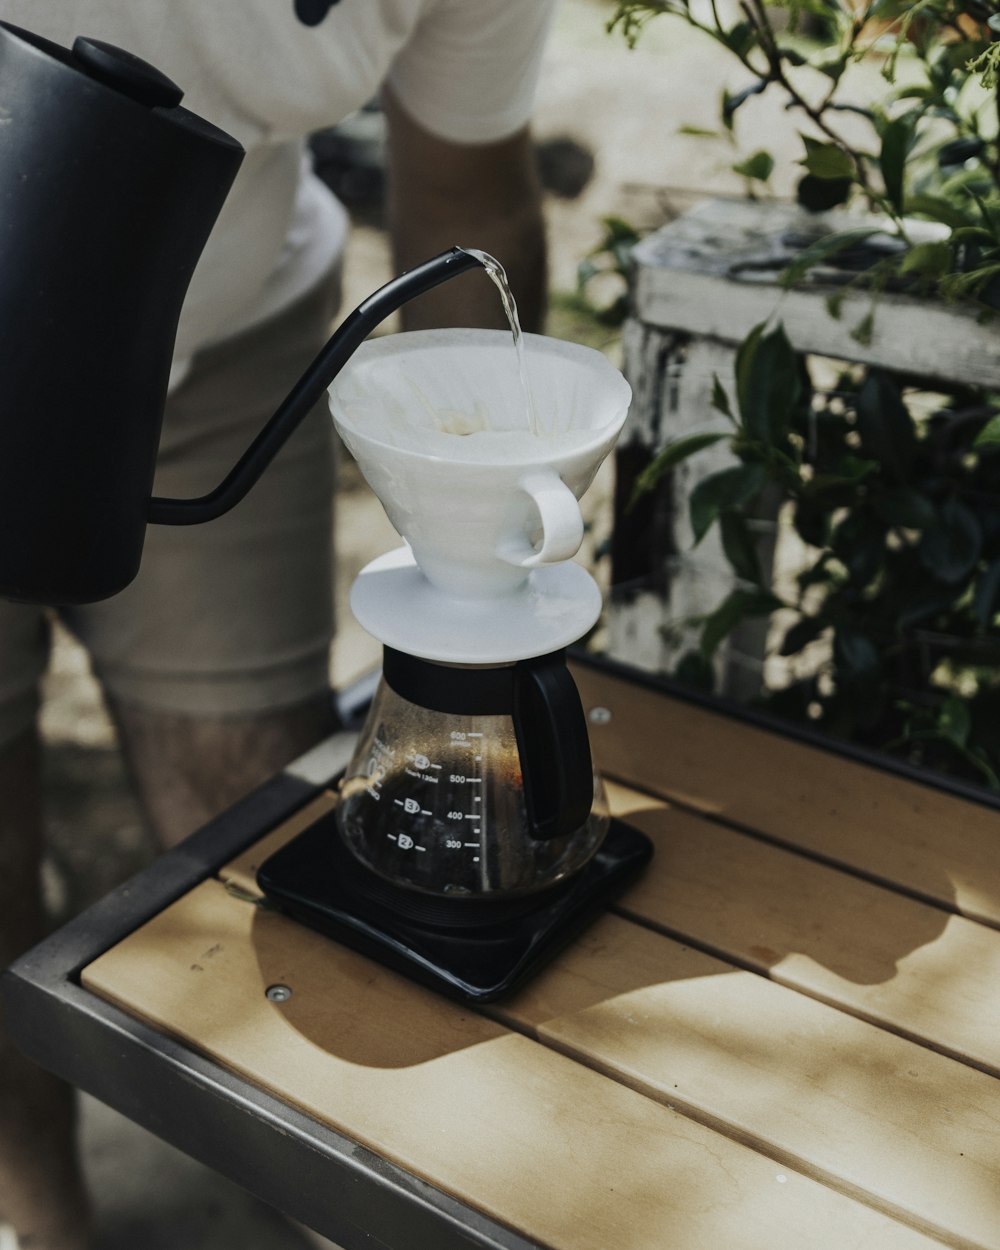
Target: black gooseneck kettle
column 109, row 189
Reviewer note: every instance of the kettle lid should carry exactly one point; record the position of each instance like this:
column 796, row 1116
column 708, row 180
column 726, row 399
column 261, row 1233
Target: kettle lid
column 108, row 64
column 128, row 75
column 125, row 72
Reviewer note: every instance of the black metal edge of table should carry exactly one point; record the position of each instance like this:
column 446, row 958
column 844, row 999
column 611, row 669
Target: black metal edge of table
column 218, row 1117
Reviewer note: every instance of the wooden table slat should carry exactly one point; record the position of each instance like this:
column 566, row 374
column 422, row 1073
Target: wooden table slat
column 922, row 839
column 900, row 963
column 571, row 1158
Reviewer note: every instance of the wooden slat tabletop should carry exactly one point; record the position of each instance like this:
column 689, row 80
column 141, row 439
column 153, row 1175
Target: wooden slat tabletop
column 914, row 837
column 768, row 1044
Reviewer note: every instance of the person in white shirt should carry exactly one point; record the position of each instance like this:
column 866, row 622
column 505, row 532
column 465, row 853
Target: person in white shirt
column 215, row 661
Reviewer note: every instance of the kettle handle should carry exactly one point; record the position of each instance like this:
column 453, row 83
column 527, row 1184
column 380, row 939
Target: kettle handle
column 556, row 767
column 299, row 402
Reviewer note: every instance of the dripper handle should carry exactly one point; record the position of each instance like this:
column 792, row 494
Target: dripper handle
column 551, row 730
column 562, row 522
column 298, row 403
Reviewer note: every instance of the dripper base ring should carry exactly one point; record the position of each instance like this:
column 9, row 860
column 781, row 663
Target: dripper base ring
column 393, row 601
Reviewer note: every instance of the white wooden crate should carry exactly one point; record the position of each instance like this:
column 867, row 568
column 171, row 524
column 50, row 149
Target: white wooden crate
column 699, row 285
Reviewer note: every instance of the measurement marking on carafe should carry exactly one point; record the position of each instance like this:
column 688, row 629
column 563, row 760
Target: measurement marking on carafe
column 412, row 772
column 422, row 762
column 411, row 806
column 405, row 842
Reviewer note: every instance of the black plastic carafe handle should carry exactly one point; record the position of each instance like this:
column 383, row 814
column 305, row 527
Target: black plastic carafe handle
column 556, row 768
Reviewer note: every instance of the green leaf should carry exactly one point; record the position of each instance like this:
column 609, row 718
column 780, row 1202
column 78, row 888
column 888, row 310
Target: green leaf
column 955, row 720
column 720, row 400
column 730, row 103
column 857, row 657
column 745, row 355
column 672, row 455
column 826, row 160
column 860, row 546
column 735, row 608
column 731, row 488
column 956, row 153
column 832, row 66
column 923, row 607
column 700, row 132
column 741, row 38
column 585, row 271
column 817, row 574
column 937, row 208
column 864, row 331
column 950, row 549
column 823, row 249
column 905, row 508
column 694, row 670
column 792, row 56
column 758, row 166
column 801, row 634
column 933, row 260
column 986, row 595
column 973, row 234
column 989, row 435
column 885, row 427
column 739, row 546
column 897, row 140
column 851, row 472
column 620, row 231
column 768, row 383
column 969, row 283
column 819, row 195
column 812, row 522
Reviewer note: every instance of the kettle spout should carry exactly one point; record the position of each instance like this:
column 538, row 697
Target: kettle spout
column 309, row 389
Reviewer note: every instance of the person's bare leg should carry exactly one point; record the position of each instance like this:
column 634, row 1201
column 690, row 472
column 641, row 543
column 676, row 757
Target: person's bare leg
column 187, row 769
column 42, row 1195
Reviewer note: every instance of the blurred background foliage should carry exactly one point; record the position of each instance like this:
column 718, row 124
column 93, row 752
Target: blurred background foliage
column 886, row 628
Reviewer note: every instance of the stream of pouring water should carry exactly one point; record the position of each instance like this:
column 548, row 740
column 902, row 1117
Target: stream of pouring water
column 499, row 278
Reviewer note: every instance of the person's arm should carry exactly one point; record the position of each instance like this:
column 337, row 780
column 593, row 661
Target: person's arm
column 485, row 196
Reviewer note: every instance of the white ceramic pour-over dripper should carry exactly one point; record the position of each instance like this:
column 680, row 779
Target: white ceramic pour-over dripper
column 437, row 422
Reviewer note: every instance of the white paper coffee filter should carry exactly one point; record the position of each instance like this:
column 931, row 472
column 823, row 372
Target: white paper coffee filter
column 457, row 394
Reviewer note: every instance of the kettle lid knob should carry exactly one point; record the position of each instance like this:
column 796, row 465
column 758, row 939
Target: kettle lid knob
column 126, row 73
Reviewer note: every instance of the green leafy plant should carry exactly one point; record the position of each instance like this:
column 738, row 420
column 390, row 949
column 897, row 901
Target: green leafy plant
column 888, row 633
column 612, row 257
column 929, row 149
column 885, row 632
